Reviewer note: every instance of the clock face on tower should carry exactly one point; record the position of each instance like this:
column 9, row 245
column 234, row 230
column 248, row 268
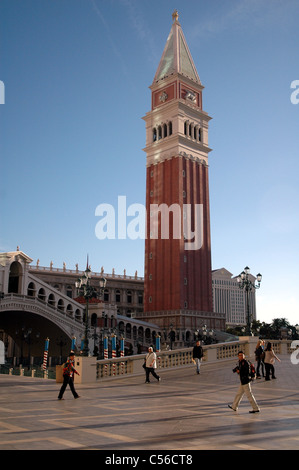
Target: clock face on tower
column 190, row 96
column 163, row 97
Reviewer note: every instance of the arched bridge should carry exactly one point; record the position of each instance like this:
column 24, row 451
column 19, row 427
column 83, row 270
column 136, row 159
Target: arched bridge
column 29, row 305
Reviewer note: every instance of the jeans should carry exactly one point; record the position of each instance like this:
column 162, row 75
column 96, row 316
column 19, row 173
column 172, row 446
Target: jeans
column 259, row 364
column 198, row 363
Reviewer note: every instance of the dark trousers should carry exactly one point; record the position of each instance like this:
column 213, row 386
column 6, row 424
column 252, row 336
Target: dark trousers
column 67, row 381
column 148, row 371
column 269, row 369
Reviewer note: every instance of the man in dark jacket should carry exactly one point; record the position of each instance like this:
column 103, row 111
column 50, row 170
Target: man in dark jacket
column 68, row 376
column 197, row 355
column 243, row 369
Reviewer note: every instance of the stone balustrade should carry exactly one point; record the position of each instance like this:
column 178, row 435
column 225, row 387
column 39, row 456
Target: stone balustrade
column 92, row 370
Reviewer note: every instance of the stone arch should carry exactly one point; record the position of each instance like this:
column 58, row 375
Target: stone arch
column 15, row 278
column 42, row 294
column 51, row 300
column 31, row 289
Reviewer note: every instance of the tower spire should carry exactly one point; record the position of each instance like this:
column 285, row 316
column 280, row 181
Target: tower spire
column 176, row 57
column 175, row 15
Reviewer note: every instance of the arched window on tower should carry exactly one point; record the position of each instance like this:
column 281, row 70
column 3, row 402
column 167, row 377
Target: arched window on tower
column 159, row 132
column 170, row 128
column 165, row 130
column 154, row 134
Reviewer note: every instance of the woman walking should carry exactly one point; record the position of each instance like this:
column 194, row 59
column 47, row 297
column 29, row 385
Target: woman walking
column 269, row 361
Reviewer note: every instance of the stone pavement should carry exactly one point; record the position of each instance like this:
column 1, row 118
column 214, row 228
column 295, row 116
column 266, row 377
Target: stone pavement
column 184, row 411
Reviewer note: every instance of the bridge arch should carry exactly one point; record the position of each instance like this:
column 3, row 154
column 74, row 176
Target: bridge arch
column 15, row 277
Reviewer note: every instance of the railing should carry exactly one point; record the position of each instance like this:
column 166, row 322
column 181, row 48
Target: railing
column 34, row 371
column 79, row 272
column 183, row 357
column 96, row 370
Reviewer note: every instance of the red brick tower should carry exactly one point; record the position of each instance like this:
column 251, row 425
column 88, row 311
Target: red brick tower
column 177, row 278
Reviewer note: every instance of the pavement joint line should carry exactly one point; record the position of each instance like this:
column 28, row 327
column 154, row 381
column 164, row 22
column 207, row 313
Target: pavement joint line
column 67, row 443
column 113, row 436
column 55, row 440
column 11, row 428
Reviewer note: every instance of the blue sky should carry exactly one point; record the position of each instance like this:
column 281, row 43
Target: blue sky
column 76, row 76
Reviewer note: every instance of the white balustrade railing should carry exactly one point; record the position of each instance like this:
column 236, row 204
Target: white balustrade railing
column 93, row 370
column 183, row 357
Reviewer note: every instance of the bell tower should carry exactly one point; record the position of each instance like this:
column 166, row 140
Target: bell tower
column 178, row 275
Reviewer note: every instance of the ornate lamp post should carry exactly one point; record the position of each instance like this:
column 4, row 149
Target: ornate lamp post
column 171, row 335
column 85, row 289
column 248, row 285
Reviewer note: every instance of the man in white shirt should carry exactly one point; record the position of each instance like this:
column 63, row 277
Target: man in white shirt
column 151, row 365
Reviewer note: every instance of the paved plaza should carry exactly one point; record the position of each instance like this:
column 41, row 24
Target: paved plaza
column 184, row 411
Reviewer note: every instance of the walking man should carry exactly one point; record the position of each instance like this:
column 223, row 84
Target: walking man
column 151, row 365
column 68, row 376
column 243, row 369
column 197, row 356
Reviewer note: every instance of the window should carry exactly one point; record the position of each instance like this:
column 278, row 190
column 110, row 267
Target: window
column 192, row 130
column 106, row 295
column 165, row 130
column 162, row 131
column 159, row 132
column 31, row 291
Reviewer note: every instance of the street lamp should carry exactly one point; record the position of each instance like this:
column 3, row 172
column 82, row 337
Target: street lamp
column 85, row 289
column 171, row 335
column 245, row 283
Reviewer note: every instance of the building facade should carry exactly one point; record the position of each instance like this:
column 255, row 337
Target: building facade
column 228, row 298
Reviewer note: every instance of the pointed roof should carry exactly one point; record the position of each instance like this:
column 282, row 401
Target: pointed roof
column 176, row 57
